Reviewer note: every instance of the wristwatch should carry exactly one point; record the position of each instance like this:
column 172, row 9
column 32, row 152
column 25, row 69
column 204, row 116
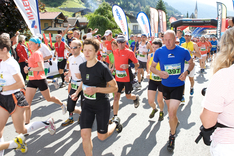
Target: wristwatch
column 188, row 72
column 29, row 68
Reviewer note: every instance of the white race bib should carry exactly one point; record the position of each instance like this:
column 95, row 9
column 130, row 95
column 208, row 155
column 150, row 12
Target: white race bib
column 173, row 69
column 121, row 74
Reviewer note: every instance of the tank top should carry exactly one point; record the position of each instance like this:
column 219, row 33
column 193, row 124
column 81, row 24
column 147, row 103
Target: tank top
column 153, row 76
column 140, row 56
column 188, row 46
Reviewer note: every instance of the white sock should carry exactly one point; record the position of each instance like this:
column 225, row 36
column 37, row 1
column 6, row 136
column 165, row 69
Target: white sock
column 2, row 152
column 12, row 145
column 35, row 125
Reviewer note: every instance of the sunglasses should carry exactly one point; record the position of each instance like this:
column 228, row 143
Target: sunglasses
column 74, row 47
column 119, row 42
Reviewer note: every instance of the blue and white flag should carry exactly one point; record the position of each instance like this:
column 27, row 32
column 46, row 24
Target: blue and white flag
column 144, row 23
column 30, row 12
column 120, row 19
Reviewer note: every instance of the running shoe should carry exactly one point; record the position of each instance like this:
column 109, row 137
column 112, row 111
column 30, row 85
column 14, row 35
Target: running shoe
column 55, row 82
column 62, row 85
column 137, row 101
column 64, row 109
column 20, row 141
column 138, row 85
column 142, row 78
column 183, row 99
column 51, row 127
column 191, row 91
column 161, row 116
column 171, row 144
column 67, row 122
column 152, row 113
column 119, row 126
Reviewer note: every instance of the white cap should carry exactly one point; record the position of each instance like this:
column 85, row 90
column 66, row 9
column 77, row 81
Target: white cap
column 39, row 35
column 187, row 33
column 139, row 35
column 107, row 32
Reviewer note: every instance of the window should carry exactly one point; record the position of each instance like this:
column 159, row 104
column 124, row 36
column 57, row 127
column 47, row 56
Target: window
column 135, row 27
column 46, row 25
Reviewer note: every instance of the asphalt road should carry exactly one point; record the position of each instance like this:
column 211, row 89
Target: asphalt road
column 141, row 136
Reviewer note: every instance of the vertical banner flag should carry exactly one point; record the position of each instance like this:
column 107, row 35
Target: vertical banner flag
column 233, row 3
column 154, row 22
column 30, row 12
column 162, row 21
column 120, row 19
column 144, row 23
column 222, row 14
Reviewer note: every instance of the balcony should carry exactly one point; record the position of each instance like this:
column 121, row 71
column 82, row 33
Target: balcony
column 136, row 31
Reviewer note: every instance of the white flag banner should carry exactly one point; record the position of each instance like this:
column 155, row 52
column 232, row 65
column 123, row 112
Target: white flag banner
column 30, row 12
column 120, row 19
column 154, row 21
column 144, row 23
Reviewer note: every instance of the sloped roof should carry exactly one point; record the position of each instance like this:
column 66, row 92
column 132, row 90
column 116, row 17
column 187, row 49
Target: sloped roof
column 71, row 20
column 83, row 20
column 75, row 9
column 49, row 15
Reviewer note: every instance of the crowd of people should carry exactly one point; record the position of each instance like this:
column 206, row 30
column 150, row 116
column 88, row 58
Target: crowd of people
column 100, row 65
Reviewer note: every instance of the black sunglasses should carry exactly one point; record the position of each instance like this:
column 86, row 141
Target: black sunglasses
column 75, row 47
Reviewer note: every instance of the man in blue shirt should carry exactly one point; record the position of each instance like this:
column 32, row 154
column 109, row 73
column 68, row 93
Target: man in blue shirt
column 214, row 44
column 179, row 35
column 172, row 59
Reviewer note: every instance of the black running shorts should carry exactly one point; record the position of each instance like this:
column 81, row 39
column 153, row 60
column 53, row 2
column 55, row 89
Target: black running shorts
column 173, row 92
column 101, row 109
column 154, row 85
column 127, row 85
column 142, row 65
column 62, row 64
column 70, row 103
column 41, row 84
column 8, row 102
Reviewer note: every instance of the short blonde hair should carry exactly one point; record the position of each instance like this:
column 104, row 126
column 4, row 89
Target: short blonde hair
column 225, row 58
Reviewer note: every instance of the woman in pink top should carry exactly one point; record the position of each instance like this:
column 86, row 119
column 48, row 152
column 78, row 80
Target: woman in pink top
column 37, row 78
column 219, row 100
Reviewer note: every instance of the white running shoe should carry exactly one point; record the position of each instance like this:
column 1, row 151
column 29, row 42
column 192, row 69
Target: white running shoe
column 55, row 82
column 138, row 85
column 51, row 127
column 64, row 109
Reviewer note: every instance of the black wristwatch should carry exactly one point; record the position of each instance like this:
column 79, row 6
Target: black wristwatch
column 29, row 68
column 188, row 72
column 0, row 89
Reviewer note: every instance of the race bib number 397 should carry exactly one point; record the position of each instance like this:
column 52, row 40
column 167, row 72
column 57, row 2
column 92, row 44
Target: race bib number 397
column 173, row 69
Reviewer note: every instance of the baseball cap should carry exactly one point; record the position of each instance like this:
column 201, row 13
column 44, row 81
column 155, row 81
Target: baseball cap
column 107, row 32
column 131, row 35
column 70, row 32
column 138, row 35
column 143, row 35
column 39, row 35
column 188, row 34
column 35, row 40
column 121, row 38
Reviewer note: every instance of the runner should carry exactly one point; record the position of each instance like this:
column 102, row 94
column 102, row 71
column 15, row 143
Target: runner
column 203, row 48
column 172, row 58
column 13, row 101
column 122, row 56
column 179, row 35
column 214, row 44
column 74, row 62
column 95, row 77
column 62, row 33
column 109, row 40
column 155, row 83
column 208, row 57
column 37, row 78
column 60, row 52
column 194, row 51
column 144, row 50
column 91, row 32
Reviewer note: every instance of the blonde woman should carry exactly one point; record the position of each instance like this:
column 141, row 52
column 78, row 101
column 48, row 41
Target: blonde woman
column 219, row 100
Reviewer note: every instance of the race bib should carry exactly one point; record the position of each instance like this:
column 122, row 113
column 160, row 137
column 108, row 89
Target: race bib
column 213, row 46
column 30, row 73
column 74, row 85
column 90, row 97
column 173, row 69
column 121, row 74
column 60, row 59
column 203, row 49
column 186, row 62
column 141, row 55
column 155, row 77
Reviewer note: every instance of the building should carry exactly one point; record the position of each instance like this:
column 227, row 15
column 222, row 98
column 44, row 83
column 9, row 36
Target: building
column 51, row 22
column 133, row 25
column 78, row 12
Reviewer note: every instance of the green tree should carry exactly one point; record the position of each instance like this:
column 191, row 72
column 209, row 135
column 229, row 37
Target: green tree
column 161, row 6
column 103, row 19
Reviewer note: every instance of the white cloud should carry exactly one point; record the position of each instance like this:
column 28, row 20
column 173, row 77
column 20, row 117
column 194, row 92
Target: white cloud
column 228, row 3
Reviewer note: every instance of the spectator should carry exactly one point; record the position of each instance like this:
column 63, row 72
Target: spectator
column 219, row 100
